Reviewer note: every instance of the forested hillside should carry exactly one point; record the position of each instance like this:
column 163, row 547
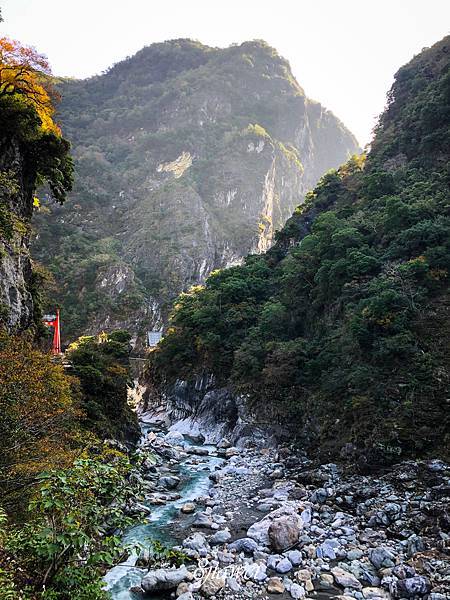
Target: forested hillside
column 187, row 158
column 340, row 331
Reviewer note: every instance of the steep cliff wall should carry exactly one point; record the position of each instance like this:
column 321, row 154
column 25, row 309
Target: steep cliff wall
column 187, row 158
column 16, row 205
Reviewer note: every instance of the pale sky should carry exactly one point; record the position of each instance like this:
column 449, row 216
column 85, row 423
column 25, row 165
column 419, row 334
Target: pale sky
column 344, row 53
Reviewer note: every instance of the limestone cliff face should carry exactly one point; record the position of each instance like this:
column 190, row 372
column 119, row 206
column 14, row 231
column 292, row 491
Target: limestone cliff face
column 16, row 205
column 188, row 158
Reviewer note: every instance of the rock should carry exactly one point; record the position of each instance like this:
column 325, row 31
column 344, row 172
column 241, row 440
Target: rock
column 163, row 579
column 157, row 500
column 354, row 554
column 182, row 589
column 415, row 544
column 297, row 591
column 264, row 507
column 284, row 566
column 382, row 557
column 198, row 450
column 259, row 531
column 186, row 596
column 138, row 508
column 256, row 572
column 374, row 593
column 411, row 587
column 345, row 579
column 174, row 437
column 326, row 582
column 328, row 549
column 229, row 452
column 196, row 542
column 306, row 517
column 279, row 563
column 304, row 576
column 246, row 545
column 203, row 520
column 403, row 571
column 295, row 556
column 276, row 474
column 275, row 585
column 224, row 444
column 136, row 589
column 198, row 438
column 232, row 583
column 170, row 482
column 284, row 532
column 319, row 496
column 225, row 558
column 212, row 585
column 220, row 537
column 188, row 508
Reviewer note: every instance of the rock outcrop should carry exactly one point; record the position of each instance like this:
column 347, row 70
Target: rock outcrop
column 16, row 206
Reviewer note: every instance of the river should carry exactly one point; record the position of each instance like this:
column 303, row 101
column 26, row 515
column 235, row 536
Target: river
column 163, row 521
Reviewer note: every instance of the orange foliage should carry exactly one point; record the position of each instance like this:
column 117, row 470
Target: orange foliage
column 25, row 72
column 38, row 418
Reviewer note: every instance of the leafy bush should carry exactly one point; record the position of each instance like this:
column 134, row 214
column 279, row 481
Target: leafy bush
column 101, row 363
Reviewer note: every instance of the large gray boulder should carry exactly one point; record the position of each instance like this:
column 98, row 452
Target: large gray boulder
column 170, row 482
column 196, row 542
column 159, row 580
column 412, row 587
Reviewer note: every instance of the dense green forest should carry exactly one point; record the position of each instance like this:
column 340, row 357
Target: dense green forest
column 341, row 329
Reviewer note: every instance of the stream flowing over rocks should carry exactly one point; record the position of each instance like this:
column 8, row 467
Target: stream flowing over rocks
column 264, row 522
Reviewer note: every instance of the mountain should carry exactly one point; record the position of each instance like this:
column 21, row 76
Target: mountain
column 339, row 333
column 187, row 158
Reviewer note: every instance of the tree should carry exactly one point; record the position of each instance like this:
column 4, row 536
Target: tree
column 26, row 73
column 38, row 417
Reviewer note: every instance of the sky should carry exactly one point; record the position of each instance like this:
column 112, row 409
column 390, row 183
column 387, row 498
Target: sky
column 344, row 53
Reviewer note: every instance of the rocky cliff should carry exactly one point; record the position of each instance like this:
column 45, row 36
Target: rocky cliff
column 187, row 159
column 31, row 155
column 16, row 205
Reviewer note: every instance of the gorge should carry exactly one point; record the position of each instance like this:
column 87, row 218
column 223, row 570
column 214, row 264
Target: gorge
column 289, row 435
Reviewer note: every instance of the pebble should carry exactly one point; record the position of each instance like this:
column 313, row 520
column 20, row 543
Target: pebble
column 275, row 585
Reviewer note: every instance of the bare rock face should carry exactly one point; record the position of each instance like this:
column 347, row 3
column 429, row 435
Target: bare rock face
column 16, row 302
column 188, row 158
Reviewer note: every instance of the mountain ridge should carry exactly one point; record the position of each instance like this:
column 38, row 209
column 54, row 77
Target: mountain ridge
column 194, row 156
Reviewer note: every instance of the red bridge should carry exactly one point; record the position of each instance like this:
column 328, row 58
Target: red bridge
column 53, row 321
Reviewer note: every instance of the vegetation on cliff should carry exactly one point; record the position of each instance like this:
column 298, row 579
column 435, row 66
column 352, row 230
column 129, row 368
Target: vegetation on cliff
column 340, row 329
column 32, row 154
